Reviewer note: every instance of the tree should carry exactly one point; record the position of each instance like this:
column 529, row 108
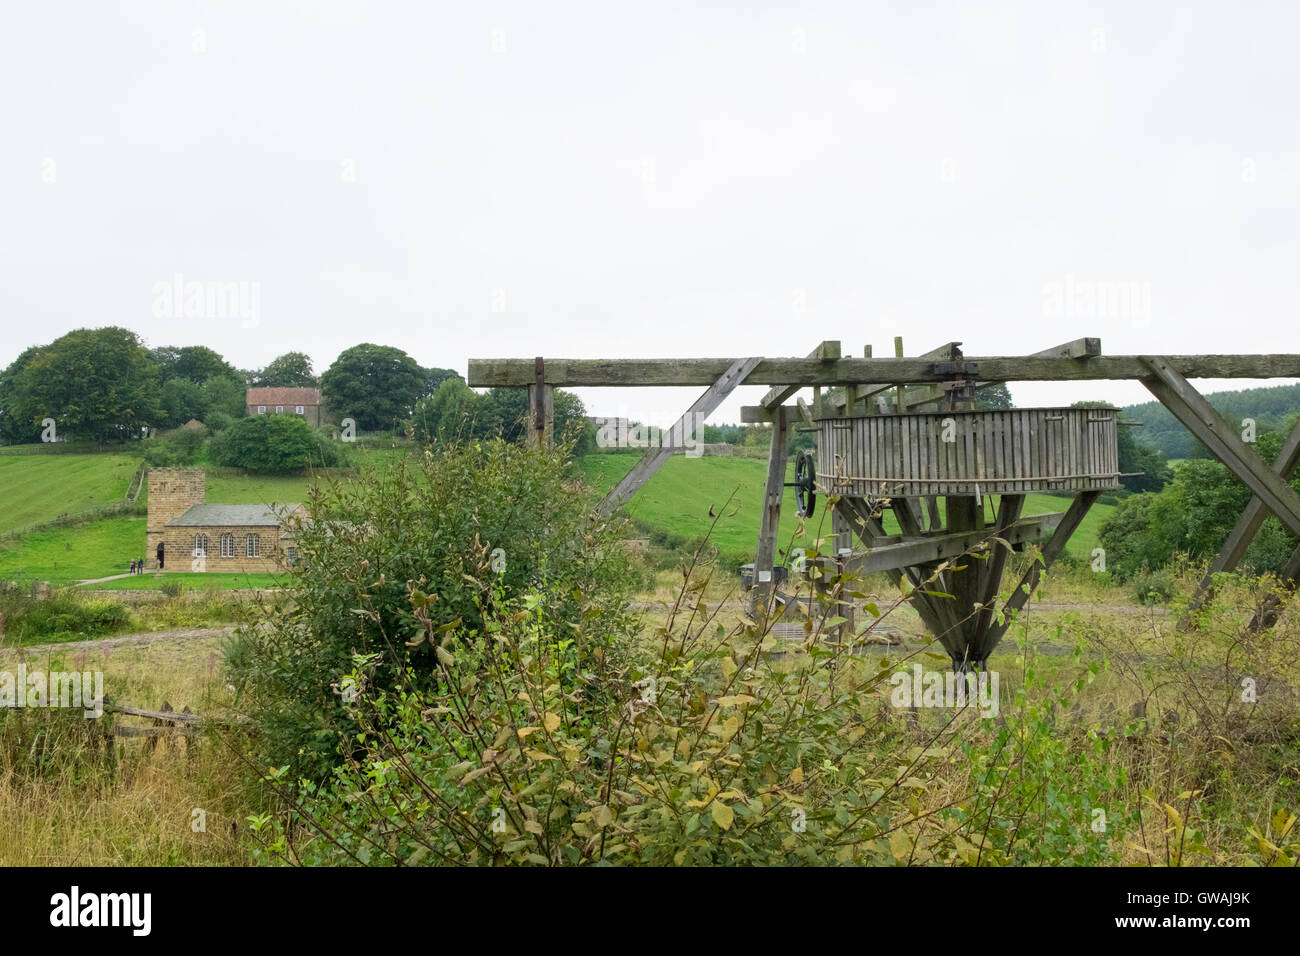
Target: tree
column 222, row 396
column 181, row 401
column 434, row 377
column 290, row 370
column 376, row 385
column 14, row 430
column 447, row 414
column 94, row 383
column 194, row 363
column 995, row 396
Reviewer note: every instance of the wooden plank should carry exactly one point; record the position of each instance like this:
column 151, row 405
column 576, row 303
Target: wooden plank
column 826, row 352
column 1248, row 525
column 1271, row 607
column 899, row 551
column 770, row 516
column 675, row 440
column 1200, row 418
column 885, row 372
column 1068, row 524
column 1005, row 527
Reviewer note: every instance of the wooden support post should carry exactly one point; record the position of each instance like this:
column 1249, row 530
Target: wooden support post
column 541, row 409
column 1200, row 418
column 1051, row 551
column 1009, row 509
column 769, row 522
column 676, row 438
column 1248, row 525
column 1271, row 609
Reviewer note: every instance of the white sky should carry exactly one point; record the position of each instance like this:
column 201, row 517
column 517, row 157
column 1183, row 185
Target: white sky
column 667, row 179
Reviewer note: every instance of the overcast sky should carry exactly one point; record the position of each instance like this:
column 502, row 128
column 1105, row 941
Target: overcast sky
column 667, row 179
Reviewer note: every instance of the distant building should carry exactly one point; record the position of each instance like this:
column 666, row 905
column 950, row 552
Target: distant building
column 286, row 401
column 242, row 538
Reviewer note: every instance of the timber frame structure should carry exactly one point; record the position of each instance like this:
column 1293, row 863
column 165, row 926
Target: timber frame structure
column 953, row 558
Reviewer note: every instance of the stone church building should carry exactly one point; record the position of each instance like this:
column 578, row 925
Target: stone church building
column 197, row 536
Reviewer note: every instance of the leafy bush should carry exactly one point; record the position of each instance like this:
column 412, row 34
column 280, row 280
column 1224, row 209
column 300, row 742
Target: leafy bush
column 705, row 747
column 275, row 443
column 179, row 447
column 398, row 550
column 28, row 614
column 1154, row 587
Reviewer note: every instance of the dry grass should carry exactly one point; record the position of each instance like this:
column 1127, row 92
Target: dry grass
column 137, row 808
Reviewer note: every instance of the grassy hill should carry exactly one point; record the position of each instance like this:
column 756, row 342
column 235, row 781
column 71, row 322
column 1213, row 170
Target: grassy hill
column 678, row 498
column 1271, row 407
column 40, row 488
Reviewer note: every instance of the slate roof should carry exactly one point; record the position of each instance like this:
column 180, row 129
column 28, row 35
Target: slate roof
column 208, row 516
column 283, row 396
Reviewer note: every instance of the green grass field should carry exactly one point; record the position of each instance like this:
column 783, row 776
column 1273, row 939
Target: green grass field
column 678, row 498
column 676, row 501
column 39, row 488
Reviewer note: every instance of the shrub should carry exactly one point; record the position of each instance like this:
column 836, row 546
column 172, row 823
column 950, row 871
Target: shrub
column 275, row 443
column 394, row 551
column 1154, row 587
column 28, row 615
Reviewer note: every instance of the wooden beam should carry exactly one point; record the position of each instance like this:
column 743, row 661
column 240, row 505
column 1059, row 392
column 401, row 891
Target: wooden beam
column 898, row 551
column 541, row 408
column 1200, row 418
column 769, row 522
column 826, row 352
column 675, row 440
column 947, row 352
column 1008, row 518
column 1271, row 607
column 573, row 373
column 1051, row 551
column 1248, row 525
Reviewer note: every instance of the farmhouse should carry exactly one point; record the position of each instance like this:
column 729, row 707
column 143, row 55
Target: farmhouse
column 197, row 536
column 286, row 401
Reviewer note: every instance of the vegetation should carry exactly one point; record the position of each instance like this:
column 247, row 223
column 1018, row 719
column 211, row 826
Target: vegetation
column 276, row 444
column 1270, row 407
column 375, row 385
column 393, row 552
column 1192, row 516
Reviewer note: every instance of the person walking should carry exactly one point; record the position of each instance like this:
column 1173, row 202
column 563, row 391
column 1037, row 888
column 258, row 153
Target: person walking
column 160, row 555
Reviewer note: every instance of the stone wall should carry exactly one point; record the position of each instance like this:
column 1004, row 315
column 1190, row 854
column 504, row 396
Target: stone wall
column 172, row 492
column 179, row 545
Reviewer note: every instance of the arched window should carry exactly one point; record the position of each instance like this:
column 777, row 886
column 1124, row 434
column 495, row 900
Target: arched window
column 254, row 546
column 227, row 545
column 200, row 546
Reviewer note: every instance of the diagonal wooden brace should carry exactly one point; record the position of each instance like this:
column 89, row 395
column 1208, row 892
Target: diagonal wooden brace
column 655, row 457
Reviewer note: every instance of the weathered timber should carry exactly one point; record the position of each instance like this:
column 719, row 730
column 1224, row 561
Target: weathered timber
column 1052, row 549
column 1199, row 417
column 675, row 440
column 899, row 551
column 1248, row 525
column 572, row 373
column 826, row 352
column 769, row 522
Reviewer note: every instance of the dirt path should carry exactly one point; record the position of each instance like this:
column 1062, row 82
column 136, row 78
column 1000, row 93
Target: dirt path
column 1036, row 606
column 128, row 640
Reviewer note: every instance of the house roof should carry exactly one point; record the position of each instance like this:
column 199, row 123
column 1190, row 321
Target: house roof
column 283, row 396
column 209, row 516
